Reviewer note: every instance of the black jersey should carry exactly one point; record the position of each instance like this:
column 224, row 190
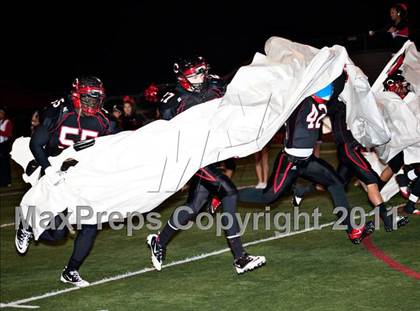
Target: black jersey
column 337, row 114
column 62, row 126
column 179, row 100
column 303, row 126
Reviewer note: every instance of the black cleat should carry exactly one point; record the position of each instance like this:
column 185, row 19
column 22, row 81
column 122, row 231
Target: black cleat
column 247, row 263
column 356, row 236
column 158, row 252
column 73, row 277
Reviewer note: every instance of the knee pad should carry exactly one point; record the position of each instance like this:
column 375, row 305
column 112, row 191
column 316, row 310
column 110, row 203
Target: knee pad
column 182, row 216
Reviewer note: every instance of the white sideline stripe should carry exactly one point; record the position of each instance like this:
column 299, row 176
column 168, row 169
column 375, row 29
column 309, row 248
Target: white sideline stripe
column 20, row 306
column 7, row 225
column 174, row 263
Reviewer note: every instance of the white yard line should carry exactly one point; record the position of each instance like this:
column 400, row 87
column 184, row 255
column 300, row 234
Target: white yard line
column 7, row 225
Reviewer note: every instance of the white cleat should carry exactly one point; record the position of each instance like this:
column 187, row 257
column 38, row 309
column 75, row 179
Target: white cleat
column 157, row 251
column 73, row 277
column 247, row 263
column 22, row 240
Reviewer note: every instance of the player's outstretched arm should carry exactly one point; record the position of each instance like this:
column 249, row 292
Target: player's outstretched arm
column 39, row 140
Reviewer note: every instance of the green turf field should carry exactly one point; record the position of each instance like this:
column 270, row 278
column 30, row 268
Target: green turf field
column 316, row 270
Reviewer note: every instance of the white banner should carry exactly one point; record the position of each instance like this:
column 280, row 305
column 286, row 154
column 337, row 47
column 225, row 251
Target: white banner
column 136, row 171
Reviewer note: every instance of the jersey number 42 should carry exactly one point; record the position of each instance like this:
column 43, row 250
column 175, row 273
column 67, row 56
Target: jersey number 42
column 316, row 115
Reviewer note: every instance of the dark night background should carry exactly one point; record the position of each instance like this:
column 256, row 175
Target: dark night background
column 129, row 45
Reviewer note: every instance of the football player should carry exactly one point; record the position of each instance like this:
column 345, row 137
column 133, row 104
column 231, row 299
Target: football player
column 396, row 83
column 297, row 159
column 408, row 181
column 73, row 119
column 196, row 86
column 353, row 163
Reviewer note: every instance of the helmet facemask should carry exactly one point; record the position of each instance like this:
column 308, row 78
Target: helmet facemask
column 398, row 84
column 192, row 75
column 88, row 95
column 91, row 102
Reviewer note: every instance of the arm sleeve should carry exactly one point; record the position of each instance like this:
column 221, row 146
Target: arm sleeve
column 39, row 140
column 168, row 105
column 167, row 113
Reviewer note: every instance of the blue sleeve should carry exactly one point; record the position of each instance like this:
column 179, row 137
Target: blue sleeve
column 167, row 113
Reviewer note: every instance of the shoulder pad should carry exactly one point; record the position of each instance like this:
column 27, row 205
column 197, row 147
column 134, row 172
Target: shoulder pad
column 54, row 112
column 170, row 98
column 58, row 105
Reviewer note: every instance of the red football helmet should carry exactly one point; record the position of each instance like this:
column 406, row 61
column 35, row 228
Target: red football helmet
column 187, row 68
column 396, row 83
column 88, row 95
